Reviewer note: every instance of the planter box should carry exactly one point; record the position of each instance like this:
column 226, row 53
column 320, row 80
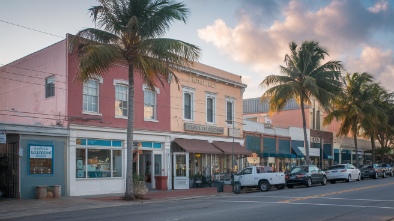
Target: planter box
column 161, row 182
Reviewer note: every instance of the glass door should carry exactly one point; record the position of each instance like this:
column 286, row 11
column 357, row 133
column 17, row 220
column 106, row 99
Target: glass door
column 181, row 172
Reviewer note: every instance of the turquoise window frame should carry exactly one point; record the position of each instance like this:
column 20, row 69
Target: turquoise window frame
column 100, row 142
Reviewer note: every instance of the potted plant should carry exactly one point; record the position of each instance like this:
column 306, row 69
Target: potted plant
column 140, row 188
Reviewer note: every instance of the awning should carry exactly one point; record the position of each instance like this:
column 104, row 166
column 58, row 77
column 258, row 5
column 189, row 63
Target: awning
column 197, row 146
column 326, row 156
column 227, row 147
column 268, row 154
column 297, row 151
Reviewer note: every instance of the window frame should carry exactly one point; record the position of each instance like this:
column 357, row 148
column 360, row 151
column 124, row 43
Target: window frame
column 50, row 86
column 121, row 84
column 190, row 91
column 232, row 100
column 155, row 92
column 87, row 111
column 213, row 97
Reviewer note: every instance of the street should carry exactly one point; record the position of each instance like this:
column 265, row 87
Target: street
column 364, row 200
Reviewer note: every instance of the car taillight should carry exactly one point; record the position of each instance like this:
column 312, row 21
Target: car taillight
column 343, row 170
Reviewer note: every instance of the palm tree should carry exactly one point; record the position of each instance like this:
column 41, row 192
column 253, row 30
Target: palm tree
column 304, row 76
column 130, row 35
column 353, row 106
column 375, row 121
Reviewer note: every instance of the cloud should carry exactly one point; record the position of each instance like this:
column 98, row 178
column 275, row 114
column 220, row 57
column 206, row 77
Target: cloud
column 344, row 27
column 376, row 61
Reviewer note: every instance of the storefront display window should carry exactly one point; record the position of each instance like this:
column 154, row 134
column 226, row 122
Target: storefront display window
column 41, row 159
column 98, row 162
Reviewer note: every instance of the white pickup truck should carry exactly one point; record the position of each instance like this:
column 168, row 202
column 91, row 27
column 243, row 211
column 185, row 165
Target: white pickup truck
column 260, row 177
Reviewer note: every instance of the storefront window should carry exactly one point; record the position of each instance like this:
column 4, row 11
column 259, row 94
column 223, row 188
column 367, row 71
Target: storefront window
column 99, row 163
column 41, row 159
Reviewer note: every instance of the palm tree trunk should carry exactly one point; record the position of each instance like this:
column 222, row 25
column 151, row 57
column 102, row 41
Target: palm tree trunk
column 306, row 142
column 355, row 144
column 129, row 194
column 373, row 148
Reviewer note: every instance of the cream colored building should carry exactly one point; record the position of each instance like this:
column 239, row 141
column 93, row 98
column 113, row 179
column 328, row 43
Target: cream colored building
column 206, row 107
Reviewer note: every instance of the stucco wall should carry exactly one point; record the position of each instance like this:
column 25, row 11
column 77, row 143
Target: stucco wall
column 22, row 88
column 215, row 86
column 106, row 117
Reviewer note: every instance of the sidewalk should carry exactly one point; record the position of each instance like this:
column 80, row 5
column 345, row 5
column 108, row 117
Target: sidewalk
column 11, row 208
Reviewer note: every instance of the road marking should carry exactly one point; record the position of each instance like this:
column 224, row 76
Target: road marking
column 333, row 193
column 328, row 198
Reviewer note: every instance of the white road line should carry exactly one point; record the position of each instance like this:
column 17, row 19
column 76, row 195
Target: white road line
column 329, row 198
column 313, row 204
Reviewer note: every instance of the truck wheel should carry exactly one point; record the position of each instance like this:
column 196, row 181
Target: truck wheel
column 290, row 186
column 279, row 187
column 264, row 186
column 308, row 182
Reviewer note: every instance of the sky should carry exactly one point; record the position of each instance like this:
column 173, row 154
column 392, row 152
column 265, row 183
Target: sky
column 249, row 38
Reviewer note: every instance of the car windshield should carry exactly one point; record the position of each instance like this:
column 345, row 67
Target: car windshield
column 336, row 167
column 299, row 170
column 367, row 166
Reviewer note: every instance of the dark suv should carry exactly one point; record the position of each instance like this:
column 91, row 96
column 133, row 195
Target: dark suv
column 305, row 175
column 372, row 171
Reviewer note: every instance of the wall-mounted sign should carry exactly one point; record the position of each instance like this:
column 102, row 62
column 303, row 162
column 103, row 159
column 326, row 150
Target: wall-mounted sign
column 253, row 160
column 203, row 82
column 204, row 128
column 236, row 133
column 315, row 139
column 45, row 152
column 3, row 136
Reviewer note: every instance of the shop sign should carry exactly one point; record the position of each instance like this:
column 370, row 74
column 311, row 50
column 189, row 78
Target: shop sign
column 203, row 82
column 234, row 132
column 41, row 152
column 315, row 139
column 253, row 160
column 3, row 136
column 313, row 152
column 204, row 128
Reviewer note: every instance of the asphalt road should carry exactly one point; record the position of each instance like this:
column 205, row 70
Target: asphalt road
column 364, row 200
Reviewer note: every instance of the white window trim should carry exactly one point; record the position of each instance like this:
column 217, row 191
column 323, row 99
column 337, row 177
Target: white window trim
column 100, row 81
column 213, row 96
column 232, row 100
column 157, row 90
column 190, row 91
column 122, row 83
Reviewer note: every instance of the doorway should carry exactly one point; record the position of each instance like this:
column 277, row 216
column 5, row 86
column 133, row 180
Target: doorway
column 9, row 170
column 181, row 170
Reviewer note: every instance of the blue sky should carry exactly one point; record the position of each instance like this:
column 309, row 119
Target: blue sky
column 245, row 37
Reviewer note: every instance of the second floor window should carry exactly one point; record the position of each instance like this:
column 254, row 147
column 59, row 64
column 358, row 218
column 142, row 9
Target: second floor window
column 121, row 94
column 229, row 111
column 90, row 96
column 50, row 86
column 210, row 109
column 149, row 104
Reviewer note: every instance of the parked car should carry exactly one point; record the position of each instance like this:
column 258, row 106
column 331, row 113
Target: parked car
column 261, row 177
column 305, row 175
column 388, row 169
column 343, row 172
column 372, row 171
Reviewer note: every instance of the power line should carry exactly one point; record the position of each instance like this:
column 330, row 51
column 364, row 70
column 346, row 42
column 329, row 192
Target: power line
column 32, row 29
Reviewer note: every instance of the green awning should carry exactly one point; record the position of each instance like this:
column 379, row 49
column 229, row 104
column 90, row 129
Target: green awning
column 270, row 155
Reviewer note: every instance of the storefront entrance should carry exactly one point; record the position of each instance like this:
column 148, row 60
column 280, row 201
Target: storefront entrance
column 150, row 164
column 181, row 171
column 9, row 170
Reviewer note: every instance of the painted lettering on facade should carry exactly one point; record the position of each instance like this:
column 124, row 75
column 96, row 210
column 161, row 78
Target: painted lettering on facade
column 203, row 82
column 41, row 152
column 204, row 128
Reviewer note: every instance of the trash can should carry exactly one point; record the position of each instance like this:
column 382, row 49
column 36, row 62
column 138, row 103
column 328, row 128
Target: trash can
column 57, row 191
column 220, row 186
column 41, row 192
column 236, row 187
